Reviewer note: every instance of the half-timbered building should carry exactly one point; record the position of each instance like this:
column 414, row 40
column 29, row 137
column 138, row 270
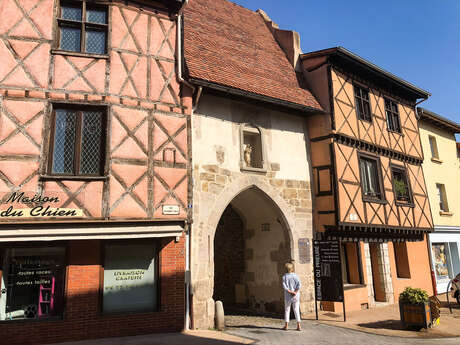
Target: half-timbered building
column 369, row 188
column 93, row 169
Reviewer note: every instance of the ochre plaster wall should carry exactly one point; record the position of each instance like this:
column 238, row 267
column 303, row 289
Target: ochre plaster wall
column 445, row 171
column 351, row 202
column 419, row 264
column 376, row 132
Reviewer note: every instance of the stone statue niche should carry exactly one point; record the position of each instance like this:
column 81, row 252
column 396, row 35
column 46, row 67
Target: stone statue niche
column 252, row 147
column 247, row 154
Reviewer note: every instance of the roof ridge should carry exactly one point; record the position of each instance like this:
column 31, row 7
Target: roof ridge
column 235, row 4
column 217, row 53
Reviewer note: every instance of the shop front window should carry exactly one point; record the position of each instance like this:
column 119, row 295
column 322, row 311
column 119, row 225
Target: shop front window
column 130, row 278
column 441, row 261
column 32, row 283
column 446, row 261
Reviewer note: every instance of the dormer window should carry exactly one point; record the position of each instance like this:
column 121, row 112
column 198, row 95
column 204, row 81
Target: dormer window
column 252, row 148
column 363, row 109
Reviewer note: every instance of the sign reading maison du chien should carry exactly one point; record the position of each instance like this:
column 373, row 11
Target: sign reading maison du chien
column 38, row 206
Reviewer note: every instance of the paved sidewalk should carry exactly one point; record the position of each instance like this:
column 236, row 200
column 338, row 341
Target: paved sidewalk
column 313, row 333
column 379, row 326
column 385, row 320
column 201, row 337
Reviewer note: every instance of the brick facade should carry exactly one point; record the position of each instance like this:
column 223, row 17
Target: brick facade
column 82, row 317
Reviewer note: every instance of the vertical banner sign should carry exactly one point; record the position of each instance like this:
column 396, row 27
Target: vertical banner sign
column 328, row 271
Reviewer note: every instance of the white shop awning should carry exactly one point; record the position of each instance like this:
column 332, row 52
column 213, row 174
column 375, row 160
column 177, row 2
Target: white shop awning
column 20, row 232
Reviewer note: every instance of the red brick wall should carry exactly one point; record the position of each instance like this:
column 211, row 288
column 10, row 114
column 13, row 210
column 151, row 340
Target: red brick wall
column 82, row 317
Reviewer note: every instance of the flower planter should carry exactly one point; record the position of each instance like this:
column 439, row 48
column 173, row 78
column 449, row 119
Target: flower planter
column 415, row 315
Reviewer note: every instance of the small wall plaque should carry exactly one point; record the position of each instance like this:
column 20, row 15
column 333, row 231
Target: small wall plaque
column 353, row 217
column 170, row 209
column 304, row 250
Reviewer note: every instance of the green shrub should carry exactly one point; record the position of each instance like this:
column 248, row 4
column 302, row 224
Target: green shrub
column 413, row 296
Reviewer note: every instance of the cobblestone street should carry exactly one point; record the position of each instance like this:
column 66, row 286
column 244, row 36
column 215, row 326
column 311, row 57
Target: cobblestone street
column 267, row 331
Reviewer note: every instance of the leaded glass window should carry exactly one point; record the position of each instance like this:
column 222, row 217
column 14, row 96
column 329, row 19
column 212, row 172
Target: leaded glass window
column 78, row 142
column 83, row 27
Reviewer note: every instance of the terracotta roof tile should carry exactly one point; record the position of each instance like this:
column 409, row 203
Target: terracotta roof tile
column 230, row 45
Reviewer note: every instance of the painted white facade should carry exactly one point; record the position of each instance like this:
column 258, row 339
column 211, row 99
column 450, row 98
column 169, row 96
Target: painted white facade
column 278, row 196
column 216, row 125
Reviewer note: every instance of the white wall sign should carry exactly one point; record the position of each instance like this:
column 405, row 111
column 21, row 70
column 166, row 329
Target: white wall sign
column 129, row 278
column 170, row 209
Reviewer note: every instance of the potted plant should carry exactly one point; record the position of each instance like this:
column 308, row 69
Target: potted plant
column 414, row 308
column 401, row 190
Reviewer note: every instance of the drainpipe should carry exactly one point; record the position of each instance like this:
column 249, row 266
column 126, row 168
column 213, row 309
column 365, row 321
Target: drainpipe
column 187, row 278
column 181, row 80
column 179, row 46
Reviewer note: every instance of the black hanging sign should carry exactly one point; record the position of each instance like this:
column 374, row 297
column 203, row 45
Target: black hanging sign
column 327, row 271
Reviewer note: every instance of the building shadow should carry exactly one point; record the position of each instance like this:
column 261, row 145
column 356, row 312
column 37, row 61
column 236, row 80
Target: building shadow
column 254, row 327
column 385, row 324
column 161, row 339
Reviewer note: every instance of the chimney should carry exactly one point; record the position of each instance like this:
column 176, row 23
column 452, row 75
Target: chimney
column 288, row 40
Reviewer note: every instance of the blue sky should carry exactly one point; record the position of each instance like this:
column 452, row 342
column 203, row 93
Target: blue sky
column 418, row 40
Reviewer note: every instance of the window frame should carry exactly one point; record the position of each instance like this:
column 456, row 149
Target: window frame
column 361, row 100
column 441, row 188
column 79, row 108
column 376, row 159
column 359, row 267
column 390, row 112
column 402, row 169
column 157, row 245
column 82, row 25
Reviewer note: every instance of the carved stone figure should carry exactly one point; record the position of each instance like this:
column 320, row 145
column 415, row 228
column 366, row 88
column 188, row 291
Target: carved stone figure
column 247, row 155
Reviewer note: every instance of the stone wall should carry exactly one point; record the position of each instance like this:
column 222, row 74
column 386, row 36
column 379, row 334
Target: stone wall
column 279, row 195
column 229, row 257
column 385, row 279
column 214, row 189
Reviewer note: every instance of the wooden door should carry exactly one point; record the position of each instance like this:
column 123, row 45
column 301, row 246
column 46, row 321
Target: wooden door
column 377, row 276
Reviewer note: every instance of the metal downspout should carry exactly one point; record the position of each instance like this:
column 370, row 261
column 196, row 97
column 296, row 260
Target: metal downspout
column 188, row 276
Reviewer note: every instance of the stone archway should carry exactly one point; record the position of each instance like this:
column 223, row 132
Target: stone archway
column 243, row 184
column 251, row 246
column 209, row 206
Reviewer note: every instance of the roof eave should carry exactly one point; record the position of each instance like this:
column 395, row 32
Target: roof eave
column 341, row 51
column 437, row 119
column 255, row 96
